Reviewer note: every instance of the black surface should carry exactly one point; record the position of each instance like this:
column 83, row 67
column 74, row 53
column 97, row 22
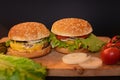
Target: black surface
column 104, row 15
column 85, row 78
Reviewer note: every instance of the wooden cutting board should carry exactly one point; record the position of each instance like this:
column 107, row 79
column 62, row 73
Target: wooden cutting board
column 55, row 66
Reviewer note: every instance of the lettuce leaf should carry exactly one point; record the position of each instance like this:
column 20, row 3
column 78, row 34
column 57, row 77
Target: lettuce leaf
column 92, row 43
column 57, row 43
column 19, row 68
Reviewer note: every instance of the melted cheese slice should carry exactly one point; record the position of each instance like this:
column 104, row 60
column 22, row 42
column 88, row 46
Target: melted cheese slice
column 21, row 47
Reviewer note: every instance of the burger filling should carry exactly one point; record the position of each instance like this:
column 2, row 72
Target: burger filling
column 29, row 46
column 90, row 42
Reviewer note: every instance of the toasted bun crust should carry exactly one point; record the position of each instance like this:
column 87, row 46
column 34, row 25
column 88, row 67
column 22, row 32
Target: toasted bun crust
column 66, row 51
column 4, row 39
column 71, row 27
column 29, row 55
column 28, row 31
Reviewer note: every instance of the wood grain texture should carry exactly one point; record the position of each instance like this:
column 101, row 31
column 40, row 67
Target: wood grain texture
column 55, row 66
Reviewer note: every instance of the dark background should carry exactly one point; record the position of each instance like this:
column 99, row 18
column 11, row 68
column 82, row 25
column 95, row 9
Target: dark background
column 104, row 15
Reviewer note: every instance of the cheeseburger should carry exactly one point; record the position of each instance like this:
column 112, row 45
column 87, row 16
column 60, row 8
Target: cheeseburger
column 73, row 35
column 29, row 39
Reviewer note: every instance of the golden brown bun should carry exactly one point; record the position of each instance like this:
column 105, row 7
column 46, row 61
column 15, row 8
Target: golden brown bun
column 4, row 39
column 28, row 31
column 71, row 27
column 66, row 51
column 29, row 55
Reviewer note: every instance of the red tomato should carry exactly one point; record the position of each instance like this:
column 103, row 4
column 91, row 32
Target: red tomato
column 109, row 45
column 85, row 36
column 64, row 37
column 115, row 39
column 110, row 55
column 61, row 37
column 117, row 45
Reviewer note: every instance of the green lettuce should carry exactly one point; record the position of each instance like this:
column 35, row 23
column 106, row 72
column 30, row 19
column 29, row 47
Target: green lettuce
column 92, row 43
column 57, row 43
column 19, row 68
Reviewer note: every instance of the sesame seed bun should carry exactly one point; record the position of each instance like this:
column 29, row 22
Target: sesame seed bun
column 38, row 53
column 71, row 27
column 28, row 31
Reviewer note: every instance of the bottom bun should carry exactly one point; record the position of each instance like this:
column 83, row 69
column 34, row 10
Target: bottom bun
column 67, row 51
column 35, row 54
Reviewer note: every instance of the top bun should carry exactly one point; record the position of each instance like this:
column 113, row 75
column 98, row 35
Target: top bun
column 28, row 31
column 71, row 27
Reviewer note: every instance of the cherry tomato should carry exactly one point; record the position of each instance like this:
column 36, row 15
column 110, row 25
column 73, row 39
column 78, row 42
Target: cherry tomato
column 114, row 42
column 117, row 45
column 108, row 45
column 110, row 55
column 115, row 39
column 61, row 37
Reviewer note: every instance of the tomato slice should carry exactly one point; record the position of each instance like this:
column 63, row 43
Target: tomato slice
column 85, row 36
column 65, row 37
column 61, row 37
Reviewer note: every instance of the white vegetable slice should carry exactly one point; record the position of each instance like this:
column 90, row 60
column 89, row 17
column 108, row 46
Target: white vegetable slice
column 75, row 58
column 92, row 63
